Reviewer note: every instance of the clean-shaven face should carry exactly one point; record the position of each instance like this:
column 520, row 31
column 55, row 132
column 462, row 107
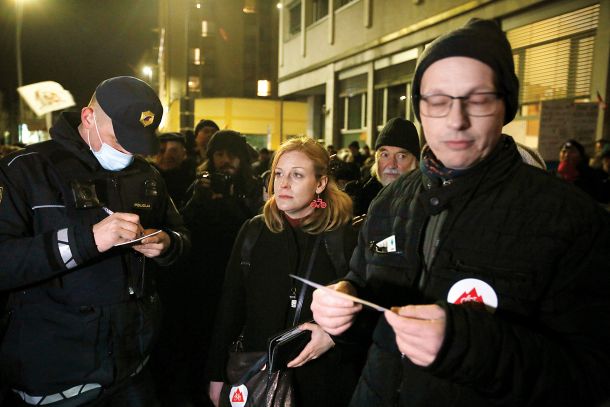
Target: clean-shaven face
column 458, row 140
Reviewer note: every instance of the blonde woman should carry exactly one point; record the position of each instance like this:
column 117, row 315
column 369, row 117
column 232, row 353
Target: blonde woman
column 304, row 203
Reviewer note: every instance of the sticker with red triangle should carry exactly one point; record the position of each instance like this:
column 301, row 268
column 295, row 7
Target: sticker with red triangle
column 238, row 396
column 473, row 290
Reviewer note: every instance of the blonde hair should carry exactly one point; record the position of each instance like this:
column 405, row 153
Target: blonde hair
column 338, row 211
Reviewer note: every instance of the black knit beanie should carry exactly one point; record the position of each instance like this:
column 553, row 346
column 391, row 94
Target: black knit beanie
column 231, row 141
column 399, row 132
column 484, row 41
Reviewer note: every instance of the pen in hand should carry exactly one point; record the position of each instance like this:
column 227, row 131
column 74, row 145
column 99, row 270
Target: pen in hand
column 111, row 212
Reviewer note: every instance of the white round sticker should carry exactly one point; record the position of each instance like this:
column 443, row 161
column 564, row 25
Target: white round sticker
column 238, row 396
column 473, row 290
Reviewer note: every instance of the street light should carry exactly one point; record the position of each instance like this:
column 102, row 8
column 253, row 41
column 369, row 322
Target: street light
column 18, row 26
column 148, row 73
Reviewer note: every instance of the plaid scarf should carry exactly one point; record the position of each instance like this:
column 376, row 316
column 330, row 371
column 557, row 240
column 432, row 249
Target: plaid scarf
column 434, row 169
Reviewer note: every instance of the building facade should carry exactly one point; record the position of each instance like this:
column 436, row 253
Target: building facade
column 353, row 62
column 221, row 53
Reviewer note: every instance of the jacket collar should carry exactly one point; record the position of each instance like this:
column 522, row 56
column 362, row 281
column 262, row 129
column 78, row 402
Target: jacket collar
column 65, row 132
column 493, row 169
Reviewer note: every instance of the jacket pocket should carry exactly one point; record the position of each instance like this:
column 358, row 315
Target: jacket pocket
column 136, row 330
column 514, row 287
column 48, row 348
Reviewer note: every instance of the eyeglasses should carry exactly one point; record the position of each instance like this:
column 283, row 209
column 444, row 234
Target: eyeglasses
column 476, row 104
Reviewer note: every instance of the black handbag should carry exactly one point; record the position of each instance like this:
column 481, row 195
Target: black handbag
column 253, row 384
column 260, row 379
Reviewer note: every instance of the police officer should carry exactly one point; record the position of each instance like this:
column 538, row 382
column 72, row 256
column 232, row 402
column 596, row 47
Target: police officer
column 82, row 311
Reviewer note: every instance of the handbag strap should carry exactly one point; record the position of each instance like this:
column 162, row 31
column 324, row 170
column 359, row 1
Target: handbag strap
column 254, row 369
column 297, row 312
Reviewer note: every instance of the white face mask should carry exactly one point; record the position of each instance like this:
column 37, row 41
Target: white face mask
column 109, row 158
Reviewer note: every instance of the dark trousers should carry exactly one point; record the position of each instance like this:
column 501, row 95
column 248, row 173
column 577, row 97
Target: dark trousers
column 137, row 391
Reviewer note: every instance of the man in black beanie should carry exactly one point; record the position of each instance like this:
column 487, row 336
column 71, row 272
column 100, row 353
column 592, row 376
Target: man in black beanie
column 496, row 272
column 396, row 152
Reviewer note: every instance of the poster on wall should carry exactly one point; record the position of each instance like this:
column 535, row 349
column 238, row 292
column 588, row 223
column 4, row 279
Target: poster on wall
column 561, row 120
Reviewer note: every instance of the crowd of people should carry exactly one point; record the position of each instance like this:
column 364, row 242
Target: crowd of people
column 129, row 279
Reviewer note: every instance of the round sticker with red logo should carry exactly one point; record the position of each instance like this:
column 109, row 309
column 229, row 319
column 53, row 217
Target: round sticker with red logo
column 473, row 290
column 238, row 396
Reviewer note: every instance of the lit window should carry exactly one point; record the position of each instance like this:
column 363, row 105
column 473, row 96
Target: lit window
column 194, row 84
column 554, row 57
column 196, row 56
column 249, row 6
column 263, row 88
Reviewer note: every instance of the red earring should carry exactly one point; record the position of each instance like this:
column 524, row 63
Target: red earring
column 318, row 203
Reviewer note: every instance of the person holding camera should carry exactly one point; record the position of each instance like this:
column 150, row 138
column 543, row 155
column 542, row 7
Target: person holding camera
column 305, row 229
column 82, row 310
column 221, row 199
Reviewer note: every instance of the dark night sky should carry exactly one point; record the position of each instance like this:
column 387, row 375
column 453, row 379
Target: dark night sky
column 77, row 43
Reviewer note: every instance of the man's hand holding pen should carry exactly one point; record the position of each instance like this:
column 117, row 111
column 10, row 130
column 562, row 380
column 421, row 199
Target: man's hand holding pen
column 121, row 227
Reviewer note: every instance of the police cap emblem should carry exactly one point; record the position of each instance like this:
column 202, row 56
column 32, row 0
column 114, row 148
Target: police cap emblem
column 147, row 118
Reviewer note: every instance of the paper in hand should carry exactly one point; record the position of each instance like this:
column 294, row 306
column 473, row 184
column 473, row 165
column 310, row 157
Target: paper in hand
column 340, row 294
column 138, row 239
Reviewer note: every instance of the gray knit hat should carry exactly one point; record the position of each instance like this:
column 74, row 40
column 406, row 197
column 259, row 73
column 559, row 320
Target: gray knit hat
column 484, row 41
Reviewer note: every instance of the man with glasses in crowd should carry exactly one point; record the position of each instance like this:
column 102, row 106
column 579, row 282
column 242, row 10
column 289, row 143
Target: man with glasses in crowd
column 496, row 273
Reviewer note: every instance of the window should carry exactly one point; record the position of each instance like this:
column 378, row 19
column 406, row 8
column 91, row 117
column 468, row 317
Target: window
column 392, row 101
column 393, row 92
column 196, row 56
column 263, row 87
column 294, row 18
column 396, row 101
column 194, row 84
column 341, row 3
column 319, row 10
column 355, row 117
column 352, row 112
column 554, row 57
column 352, row 103
column 553, row 60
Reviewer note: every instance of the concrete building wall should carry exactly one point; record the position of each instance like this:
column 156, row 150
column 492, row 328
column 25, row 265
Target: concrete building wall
column 368, row 36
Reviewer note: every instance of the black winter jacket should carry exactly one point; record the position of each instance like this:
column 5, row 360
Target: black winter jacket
column 259, row 303
column 76, row 316
column 543, row 247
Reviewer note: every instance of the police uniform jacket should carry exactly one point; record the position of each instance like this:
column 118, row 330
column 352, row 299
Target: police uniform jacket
column 76, row 316
column 543, row 249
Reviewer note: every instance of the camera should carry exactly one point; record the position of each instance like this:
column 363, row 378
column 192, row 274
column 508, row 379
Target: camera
column 84, row 194
column 219, row 182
